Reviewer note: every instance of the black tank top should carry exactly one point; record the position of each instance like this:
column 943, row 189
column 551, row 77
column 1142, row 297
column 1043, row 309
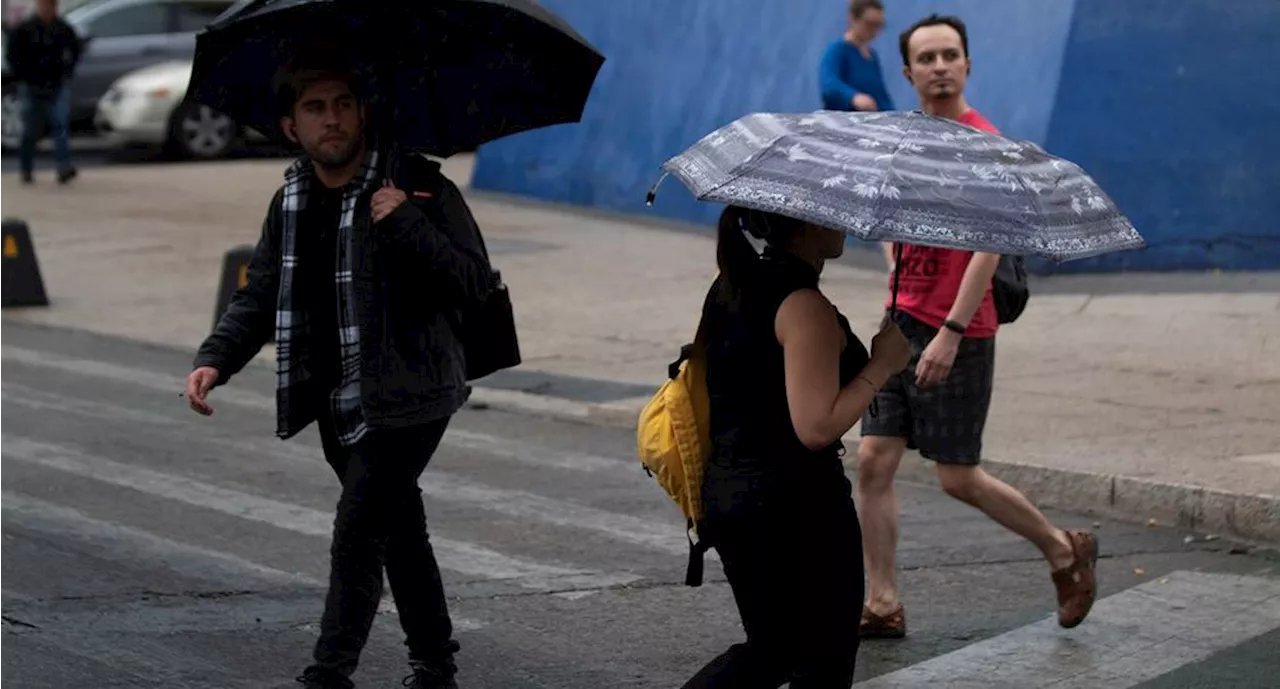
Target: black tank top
column 754, row 444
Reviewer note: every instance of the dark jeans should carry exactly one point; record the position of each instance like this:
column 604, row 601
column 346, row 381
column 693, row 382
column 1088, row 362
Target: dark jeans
column 39, row 107
column 795, row 567
column 380, row 520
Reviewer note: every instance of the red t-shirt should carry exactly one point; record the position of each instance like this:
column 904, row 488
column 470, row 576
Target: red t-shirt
column 929, row 278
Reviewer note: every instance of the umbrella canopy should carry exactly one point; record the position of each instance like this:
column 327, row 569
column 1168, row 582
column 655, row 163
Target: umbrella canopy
column 444, row 75
column 907, row 177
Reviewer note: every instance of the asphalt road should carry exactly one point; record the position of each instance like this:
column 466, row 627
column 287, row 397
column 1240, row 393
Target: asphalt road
column 144, row 546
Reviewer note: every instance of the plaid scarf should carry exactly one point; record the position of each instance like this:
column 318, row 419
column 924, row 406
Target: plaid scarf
column 291, row 316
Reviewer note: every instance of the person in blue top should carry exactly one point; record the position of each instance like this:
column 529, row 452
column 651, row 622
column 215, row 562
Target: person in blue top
column 850, row 76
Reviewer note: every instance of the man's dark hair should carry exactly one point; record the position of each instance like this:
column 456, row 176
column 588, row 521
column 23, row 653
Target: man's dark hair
column 857, row 8
column 933, row 20
column 310, row 65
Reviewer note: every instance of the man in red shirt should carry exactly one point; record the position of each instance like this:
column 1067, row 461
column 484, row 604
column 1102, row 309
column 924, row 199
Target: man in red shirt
column 939, row 404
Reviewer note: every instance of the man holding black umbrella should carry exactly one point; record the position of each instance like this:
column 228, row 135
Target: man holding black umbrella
column 939, row 405
column 362, row 285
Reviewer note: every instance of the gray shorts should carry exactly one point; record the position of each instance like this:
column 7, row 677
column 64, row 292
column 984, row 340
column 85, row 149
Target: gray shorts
column 943, row 422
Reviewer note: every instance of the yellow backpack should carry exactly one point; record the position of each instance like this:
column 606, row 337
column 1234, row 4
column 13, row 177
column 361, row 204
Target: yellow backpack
column 674, row 441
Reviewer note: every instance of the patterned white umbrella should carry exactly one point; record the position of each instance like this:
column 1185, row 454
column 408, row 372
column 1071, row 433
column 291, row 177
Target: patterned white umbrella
column 907, row 177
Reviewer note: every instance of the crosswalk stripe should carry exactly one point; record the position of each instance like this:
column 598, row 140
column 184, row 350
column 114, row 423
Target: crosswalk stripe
column 530, row 454
column 1129, row 638
column 448, row 488
column 160, row 382
column 118, row 541
column 31, row 398
column 459, row 438
column 125, row 543
column 522, row 505
column 458, row 556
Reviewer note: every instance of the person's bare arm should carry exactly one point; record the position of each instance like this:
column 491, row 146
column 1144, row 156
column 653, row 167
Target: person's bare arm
column 973, row 286
column 937, row 359
column 811, row 339
column 889, row 258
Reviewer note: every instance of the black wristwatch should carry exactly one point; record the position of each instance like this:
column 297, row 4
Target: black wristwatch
column 953, row 326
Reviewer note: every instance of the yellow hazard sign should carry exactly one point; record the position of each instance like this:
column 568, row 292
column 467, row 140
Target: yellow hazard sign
column 10, row 246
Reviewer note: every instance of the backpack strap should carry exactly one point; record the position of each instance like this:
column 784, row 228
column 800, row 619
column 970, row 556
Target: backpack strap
column 697, row 549
column 697, row 545
column 688, row 351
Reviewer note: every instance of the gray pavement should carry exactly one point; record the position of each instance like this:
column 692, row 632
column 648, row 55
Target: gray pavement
column 145, row 546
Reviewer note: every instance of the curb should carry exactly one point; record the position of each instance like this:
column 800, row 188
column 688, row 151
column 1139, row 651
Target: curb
column 1250, row 518
column 1253, row 519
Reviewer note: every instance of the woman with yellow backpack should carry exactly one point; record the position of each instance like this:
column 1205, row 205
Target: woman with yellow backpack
column 785, row 378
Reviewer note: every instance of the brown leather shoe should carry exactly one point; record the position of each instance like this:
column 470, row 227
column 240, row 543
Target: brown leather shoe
column 1077, row 583
column 891, row 626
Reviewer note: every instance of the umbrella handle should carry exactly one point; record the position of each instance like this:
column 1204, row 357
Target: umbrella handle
column 897, row 268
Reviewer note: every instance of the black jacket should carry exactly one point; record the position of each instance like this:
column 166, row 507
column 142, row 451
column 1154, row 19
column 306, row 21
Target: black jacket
column 414, row 272
column 41, row 55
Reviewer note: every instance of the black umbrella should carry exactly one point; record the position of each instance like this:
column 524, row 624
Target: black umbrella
column 443, row 75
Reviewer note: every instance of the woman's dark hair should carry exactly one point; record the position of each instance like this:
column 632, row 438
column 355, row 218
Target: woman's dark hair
column 735, row 255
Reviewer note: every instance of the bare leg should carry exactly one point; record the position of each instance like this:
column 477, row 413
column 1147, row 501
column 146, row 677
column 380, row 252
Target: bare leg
column 1007, row 506
column 878, row 460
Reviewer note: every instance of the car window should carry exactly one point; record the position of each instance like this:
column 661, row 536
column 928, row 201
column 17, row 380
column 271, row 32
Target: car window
column 135, row 20
column 194, row 16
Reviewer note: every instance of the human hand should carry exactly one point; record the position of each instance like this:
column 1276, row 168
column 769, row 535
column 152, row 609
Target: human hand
column 386, row 200
column 890, row 349
column 865, row 103
column 936, row 361
column 199, row 383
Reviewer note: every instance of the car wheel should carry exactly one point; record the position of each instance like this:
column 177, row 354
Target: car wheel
column 201, row 132
column 11, row 121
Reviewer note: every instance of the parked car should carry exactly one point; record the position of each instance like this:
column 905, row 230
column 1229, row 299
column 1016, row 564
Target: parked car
column 145, row 107
column 121, row 36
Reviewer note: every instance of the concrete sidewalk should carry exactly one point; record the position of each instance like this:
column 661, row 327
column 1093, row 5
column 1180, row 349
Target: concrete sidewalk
column 1154, row 405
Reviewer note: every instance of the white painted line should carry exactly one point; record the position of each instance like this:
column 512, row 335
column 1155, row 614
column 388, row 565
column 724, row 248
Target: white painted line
column 1129, row 638
column 32, row 398
column 122, row 543
column 457, row 556
column 449, row 488
column 530, row 454
column 1272, row 459
column 669, row 538
column 160, row 382
column 459, row 438
column 117, row 542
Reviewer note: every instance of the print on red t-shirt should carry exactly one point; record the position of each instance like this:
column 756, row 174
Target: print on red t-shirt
column 929, row 278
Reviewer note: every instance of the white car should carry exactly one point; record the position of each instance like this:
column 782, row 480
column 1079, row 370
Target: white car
column 145, row 107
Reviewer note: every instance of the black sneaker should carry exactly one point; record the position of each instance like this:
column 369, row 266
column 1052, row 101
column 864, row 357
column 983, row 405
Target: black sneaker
column 314, row 678
column 430, row 678
column 67, row 175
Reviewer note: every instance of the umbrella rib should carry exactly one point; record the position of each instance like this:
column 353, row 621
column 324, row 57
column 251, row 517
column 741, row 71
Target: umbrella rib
column 746, row 166
column 1034, row 198
column 875, row 210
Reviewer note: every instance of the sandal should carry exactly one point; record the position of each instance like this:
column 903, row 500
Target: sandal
column 1077, row 583
column 891, row 626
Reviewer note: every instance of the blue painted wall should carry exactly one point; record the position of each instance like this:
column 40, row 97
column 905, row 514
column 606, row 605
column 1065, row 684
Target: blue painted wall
column 1174, row 107
column 1090, row 79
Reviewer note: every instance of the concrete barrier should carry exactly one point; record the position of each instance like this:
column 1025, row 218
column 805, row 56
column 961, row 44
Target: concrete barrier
column 23, row 285
column 235, row 273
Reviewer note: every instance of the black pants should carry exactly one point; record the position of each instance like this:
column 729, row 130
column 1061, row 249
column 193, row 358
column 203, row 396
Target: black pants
column 380, row 521
column 795, row 567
